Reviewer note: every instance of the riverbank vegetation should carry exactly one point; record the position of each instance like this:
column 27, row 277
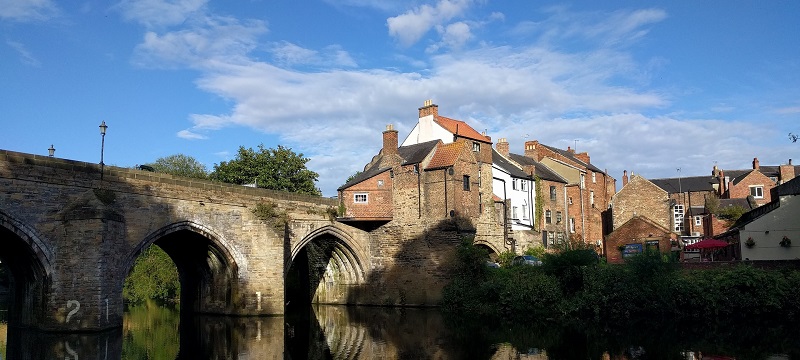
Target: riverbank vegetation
column 575, row 286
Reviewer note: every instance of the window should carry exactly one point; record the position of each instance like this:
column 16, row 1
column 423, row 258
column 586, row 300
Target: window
column 476, row 146
column 583, row 181
column 466, row 182
column 551, row 238
column 548, row 217
column 514, row 213
column 360, row 198
column 552, row 193
column 570, row 200
column 698, row 221
column 380, row 183
column 560, row 237
column 513, row 184
column 591, row 198
column 522, row 184
column 558, row 217
column 677, row 216
column 572, row 225
column 757, row 191
column 594, row 179
column 524, row 212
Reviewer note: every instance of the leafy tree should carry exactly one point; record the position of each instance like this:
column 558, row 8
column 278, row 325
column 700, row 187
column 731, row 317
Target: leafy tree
column 154, row 277
column 180, row 165
column 352, row 177
column 276, row 169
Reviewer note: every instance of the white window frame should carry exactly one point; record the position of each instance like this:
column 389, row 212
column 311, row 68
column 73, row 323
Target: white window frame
column 364, row 195
column 514, row 212
column 513, row 184
column 594, row 179
column 522, row 185
column 583, row 181
column 572, row 225
column 591, row 197
column 677, row 216
column 757, row 191
column 698, row 220
column 476, row 146
column 524, row 212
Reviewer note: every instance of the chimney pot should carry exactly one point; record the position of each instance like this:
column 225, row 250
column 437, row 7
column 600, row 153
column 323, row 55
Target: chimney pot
column 624, row 177
column 502, row 147
column 429, row 108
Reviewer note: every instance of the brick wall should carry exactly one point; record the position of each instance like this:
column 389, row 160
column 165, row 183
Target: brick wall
column 638, row 230
column 641, row 197
column 741, row 189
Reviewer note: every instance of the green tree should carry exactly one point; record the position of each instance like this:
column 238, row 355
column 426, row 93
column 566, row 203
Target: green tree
column 277, row 169
column 180, row 165
column 154, row 277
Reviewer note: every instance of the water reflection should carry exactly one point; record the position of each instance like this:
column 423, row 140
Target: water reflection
column 339, row 332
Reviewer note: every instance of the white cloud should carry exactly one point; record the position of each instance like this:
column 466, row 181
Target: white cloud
column 409, row 27
column 212, row 40
column 28, row 10
column 25, row 56
column 190, row 135
column 160, row 13
column 335, row 112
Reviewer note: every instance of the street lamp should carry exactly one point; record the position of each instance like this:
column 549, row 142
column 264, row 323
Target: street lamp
column 51, row 150
column 103, row 128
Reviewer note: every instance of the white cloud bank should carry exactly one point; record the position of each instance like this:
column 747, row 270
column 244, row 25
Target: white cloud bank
column 335, row 114
column 28, row 10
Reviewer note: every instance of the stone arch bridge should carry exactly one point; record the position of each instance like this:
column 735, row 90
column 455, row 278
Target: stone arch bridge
column 69, row 238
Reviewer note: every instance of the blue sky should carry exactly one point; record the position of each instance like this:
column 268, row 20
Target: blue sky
column 647, row 87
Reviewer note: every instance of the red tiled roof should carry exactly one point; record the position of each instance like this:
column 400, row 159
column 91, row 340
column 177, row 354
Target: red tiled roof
column 460, row 128
column 446, row 155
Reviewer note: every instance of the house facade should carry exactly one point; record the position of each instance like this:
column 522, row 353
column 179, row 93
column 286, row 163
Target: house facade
column 589, row 190
column 771, row 231
column 512, row 184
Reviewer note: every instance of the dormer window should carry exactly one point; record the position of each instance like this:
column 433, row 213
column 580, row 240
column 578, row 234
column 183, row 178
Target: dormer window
column 476, row 146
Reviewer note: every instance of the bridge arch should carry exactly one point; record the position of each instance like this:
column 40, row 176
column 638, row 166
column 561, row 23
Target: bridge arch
column 209, row 267
column 324, row 266
column 494, row 250
column 30, row 264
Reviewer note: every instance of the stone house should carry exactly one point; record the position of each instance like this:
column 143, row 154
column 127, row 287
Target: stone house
column 442, row 173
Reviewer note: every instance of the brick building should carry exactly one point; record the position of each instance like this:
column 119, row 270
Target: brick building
column 588, row 190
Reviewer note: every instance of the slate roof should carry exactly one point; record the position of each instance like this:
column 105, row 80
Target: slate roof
column 446, row 155
column 542, row 171
column 775, row 171
column 571, row 156
column 686, row 184
column 411, row 154
column 460, row 128
column 507, row 166
column 414, row 154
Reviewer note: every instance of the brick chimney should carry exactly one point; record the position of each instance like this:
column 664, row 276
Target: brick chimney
column 389, row 141
column 584, row 156
column 532, row 149
column 570, row 150
column 429, row 108
column 502, row 146
column 624, row 177
column 721, row 183
column 786, row 172
column 755, row 163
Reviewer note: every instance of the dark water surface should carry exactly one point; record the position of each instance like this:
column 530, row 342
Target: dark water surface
column 340, row 332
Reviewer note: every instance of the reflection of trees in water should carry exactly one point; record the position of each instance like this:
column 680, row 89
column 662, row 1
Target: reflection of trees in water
column 150, row 332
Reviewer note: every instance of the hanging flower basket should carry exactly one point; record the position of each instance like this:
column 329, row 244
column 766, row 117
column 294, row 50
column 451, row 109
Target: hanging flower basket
column 750, row 243
column 786, row 242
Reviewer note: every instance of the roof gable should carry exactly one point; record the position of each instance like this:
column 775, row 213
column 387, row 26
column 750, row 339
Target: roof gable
column 460, row 128
column 446, row 155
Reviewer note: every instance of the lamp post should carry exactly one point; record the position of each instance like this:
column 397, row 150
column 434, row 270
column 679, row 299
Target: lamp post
column 51, row 150
column 103, row 128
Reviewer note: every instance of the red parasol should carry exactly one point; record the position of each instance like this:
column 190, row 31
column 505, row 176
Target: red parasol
column 707, row 244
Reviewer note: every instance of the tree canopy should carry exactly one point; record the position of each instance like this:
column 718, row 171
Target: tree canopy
column 180, row 165
column 269, row 168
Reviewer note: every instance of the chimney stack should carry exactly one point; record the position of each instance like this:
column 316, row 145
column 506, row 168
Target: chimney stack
column 624, row 177
column 389, row 141
column 531, row 149
column 755, row 163
column 721, row 183
column 502, row 146
column 429, row 108
column 584, row 156
column 786, row 172
column 570, row 150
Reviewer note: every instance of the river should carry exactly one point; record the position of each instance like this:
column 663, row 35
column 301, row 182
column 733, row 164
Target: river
column 346, row 332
